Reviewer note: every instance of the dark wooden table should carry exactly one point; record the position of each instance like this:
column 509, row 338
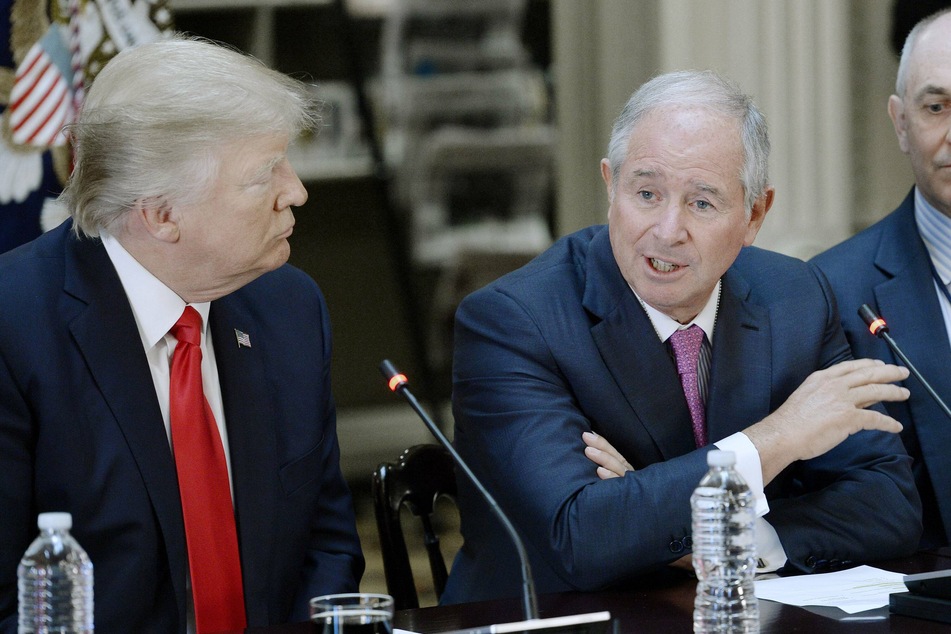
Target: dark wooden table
column 661, row 609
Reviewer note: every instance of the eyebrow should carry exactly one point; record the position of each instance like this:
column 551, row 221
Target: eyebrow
column 714, row 192
column 629, row 178
column 267, row 167
column 703, row 186
column 931, row 90
column 645, row 173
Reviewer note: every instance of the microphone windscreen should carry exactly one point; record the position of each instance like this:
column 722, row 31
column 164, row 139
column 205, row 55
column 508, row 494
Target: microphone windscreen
column 867, row 314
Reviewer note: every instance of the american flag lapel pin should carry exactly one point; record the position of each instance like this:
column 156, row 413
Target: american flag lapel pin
column 244, row 339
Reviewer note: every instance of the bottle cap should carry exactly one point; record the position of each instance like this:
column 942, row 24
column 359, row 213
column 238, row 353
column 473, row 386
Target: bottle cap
column 720, row 458
column 54, row 521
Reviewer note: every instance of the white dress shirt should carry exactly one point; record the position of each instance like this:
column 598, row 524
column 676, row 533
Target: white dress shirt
column 156, row 308
column 935, row 230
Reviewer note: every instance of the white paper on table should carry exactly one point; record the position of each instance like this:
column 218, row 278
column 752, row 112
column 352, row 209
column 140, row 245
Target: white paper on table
column 854, row 590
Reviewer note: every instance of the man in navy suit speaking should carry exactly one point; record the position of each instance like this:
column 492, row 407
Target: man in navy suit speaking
column 569, row 403
column 164, row 375
column 901, row 266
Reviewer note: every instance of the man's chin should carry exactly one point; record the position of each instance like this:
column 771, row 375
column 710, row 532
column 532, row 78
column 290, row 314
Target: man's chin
column 282, row 253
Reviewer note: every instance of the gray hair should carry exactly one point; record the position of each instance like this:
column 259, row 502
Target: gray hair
column 705, row 89
column 902, row 78
column 156, row 118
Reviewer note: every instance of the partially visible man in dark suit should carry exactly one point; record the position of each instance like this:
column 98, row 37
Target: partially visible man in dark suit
column 571, row 350
column 162, row 319
column 901, row 266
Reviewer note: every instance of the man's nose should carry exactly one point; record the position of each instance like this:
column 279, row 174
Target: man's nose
column 670, row 226
column 293, row 193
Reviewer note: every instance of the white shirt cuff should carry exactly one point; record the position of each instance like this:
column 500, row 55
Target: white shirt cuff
column 749, row 467
column 769, row 549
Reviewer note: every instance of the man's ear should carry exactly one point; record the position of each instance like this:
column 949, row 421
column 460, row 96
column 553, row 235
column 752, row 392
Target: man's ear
column 758, row 214
column 156, row 216
column 606, row 175
column 896, row 110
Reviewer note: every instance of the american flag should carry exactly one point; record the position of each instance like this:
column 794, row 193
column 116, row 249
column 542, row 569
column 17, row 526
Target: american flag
column 44, row 71
column 41, row 101
column 244, row 339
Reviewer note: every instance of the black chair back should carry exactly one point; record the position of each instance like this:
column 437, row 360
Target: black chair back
column 421, row 475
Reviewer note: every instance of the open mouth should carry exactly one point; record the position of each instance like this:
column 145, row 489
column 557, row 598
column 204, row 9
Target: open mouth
column 663, row 267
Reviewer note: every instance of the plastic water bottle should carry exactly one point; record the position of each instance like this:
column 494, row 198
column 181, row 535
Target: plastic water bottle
column 55, row 581
column 724, row 549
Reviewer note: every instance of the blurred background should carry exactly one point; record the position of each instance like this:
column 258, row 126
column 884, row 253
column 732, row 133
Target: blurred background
column 462, row 136
column 488, row 121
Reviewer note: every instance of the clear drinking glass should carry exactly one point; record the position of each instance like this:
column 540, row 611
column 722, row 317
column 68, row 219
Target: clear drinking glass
column 353, row 613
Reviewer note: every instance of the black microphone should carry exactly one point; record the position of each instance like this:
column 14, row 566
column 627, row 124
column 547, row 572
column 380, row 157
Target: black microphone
column 398, row 383
column 919, row 600
column 877, row 326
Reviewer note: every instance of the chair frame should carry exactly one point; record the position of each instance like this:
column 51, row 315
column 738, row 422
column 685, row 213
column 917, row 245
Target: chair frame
column 421, row 475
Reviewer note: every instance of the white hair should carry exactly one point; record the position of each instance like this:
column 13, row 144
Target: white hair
column 705, row 89
column 156, row 118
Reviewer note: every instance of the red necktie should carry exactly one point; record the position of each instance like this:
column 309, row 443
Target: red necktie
column 686, row 345
column 213, row 559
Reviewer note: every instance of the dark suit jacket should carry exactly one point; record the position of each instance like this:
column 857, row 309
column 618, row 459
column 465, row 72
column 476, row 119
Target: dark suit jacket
column 81, row 431
column 887, row 267
column 562, row 346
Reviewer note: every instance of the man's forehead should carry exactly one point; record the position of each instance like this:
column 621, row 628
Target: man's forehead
column 708, row 136
column 638, row 172
column 682, row 122
column 929, row 79
column 255, row 153
column 932, row 53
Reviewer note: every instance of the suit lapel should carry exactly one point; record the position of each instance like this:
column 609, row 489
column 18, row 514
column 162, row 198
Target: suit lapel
column 909, row 303
column 740, row 371
column 251, row 441
column 107, row 337
column 740, row 374
column 634, row 355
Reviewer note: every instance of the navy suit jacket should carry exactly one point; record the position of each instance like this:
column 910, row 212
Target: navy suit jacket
column 562, row 346
column 887, row 267
column 81, row 431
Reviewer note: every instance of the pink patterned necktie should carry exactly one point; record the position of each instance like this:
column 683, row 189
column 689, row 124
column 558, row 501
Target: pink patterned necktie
column 686, row 344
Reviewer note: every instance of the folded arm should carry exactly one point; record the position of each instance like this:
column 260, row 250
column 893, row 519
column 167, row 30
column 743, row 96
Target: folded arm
column 519, row 423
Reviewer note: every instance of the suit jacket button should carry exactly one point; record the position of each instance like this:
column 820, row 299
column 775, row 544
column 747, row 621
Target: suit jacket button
column 811, row 561
column 676, row 546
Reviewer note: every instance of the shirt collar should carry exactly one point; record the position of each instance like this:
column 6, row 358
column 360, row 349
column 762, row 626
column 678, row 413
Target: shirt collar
column 156, row 307
column 935, row 230
column 665, row 326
